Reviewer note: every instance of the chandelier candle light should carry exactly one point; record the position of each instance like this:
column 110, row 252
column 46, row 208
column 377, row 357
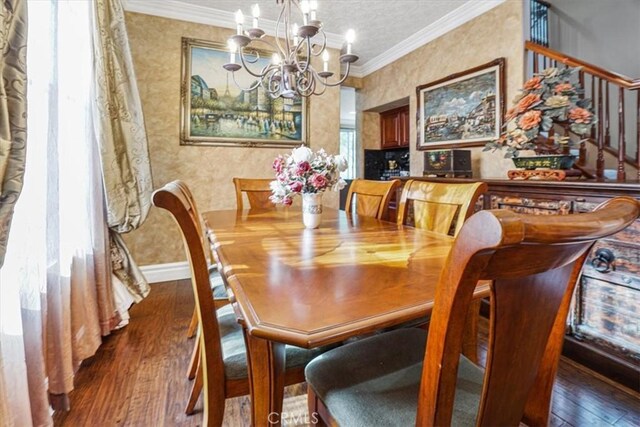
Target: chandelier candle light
column 290, row 73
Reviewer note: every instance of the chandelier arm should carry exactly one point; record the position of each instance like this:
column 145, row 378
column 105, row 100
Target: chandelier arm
column 324, row 45
column 278, row 22
column 344, row 77
column 250, row 88
column 308, row 57
column 246, row 67
column 269, row 78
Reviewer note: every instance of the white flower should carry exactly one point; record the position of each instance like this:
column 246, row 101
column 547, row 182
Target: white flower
column 339, row 185
column 341, row 162
column 277, row 188
column 302, row 154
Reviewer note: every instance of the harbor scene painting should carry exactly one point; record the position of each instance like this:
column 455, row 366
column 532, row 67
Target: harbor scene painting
column 461, row 110
column 217, row 111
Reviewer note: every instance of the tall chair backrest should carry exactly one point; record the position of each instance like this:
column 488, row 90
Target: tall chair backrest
column 199, row 221
column 437, row 206
column 257, row 192
column 177, row 201
column 534, row 263
column 371, row 197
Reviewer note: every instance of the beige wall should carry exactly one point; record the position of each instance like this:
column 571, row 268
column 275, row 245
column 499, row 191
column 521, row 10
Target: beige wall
column 156, row 47
column 497, row 33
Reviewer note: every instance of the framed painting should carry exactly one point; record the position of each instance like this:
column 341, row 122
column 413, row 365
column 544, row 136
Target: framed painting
column 462, row 110
column 216, row 111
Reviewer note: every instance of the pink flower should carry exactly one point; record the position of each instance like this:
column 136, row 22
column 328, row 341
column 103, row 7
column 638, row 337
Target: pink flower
column 302, row 168
column 319, row 181
column 287, row 201
column 296, row 186
column 278, row 164
column 282, row 177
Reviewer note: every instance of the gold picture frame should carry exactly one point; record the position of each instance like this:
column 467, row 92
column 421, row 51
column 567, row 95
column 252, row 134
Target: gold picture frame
column 216, row 112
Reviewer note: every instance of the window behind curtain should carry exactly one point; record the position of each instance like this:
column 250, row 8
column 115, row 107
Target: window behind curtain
column 348, row 139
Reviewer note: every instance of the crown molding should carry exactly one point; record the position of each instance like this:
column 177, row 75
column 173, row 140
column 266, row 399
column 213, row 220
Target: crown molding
column 174, row 9
column 452, row 20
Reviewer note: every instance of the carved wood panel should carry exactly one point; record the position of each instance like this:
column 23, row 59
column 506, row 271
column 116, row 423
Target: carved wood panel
column 531, row 205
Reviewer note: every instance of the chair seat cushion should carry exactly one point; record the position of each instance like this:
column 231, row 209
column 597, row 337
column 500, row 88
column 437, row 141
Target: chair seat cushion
column 217, row 285
column 234, row 350
column 376, row 381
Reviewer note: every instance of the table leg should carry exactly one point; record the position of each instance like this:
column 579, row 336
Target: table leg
column 266, row 360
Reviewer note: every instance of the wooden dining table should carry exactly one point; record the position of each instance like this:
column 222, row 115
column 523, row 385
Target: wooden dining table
column 314, row 287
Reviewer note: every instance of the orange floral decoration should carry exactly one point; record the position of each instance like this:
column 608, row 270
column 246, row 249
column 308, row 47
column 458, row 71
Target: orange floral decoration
column 527, row 101
column 580, row 115
column 563, row 87
column 533, row 83
column 530, row 119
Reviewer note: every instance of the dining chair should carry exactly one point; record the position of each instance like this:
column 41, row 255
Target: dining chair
column 443, row 207
column 371, row 197
column 407, row 376
column 222, row 356
column 220, row 297
column 438, row 206
column 217, row 285
column 257, row 191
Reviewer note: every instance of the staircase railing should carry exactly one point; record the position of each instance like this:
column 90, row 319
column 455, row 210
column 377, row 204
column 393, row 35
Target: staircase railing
column 611, row 94
column 539, row 22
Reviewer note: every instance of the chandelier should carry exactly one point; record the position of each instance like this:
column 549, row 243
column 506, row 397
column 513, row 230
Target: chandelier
column 289, row 73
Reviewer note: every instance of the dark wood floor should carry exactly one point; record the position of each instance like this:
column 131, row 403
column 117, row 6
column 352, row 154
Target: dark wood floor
column 137, row 378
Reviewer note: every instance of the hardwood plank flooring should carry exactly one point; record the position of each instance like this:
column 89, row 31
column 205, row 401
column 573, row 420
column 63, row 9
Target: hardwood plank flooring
column 138, row 378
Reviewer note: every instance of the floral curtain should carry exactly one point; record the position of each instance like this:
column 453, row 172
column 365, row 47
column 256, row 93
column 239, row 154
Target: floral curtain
column 13, row 110
column 13, row 128
column 122, row 140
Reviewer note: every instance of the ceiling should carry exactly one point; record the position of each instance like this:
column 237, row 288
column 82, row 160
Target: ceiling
column 385, row 29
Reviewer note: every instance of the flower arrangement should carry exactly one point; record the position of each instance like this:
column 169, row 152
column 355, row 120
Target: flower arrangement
column 304, row 172
column 548, row 97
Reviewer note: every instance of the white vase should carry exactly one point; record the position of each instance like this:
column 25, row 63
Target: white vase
column 311, row 209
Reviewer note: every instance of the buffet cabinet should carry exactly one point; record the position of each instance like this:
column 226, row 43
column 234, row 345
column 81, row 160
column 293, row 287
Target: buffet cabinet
column 603, row 330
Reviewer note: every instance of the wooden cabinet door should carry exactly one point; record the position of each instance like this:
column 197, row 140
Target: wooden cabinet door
column 404, row 127
column 390, row 129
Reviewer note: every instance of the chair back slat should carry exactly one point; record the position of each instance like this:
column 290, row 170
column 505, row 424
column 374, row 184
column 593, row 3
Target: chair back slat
column 371, row 197
column 534, row 263
column 176, row 198
column 437, row 206
column 257, row 192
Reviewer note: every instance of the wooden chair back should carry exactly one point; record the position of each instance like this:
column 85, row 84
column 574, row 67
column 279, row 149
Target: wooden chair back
column 437, row 206
column 371, row 197
column 534, row 263
column 257, row 192
column 175, row 197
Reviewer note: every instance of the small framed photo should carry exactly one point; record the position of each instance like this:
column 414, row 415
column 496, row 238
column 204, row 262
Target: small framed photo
column 216, row 111
column 462, row 110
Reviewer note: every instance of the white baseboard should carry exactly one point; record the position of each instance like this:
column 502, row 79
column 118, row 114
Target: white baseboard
column 157, row 273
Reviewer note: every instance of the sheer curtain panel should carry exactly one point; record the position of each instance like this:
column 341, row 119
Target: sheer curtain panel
column 56, row 299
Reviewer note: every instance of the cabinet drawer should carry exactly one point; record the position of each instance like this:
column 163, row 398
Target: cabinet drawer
column 625, row 268
column 610, row 313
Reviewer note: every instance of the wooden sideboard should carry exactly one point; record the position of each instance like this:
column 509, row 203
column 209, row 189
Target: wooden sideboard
column 603, row 331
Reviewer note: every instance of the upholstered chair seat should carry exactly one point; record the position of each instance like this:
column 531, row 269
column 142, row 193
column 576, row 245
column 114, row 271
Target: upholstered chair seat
column 217, row 286
column 384, row 390
column 234, row 354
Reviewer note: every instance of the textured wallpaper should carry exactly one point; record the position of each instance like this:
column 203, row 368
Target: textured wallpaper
column 156, row 48
column 497, row 33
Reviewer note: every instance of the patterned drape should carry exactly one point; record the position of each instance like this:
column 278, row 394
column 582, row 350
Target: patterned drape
column 13, row 110
column 122, row 140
